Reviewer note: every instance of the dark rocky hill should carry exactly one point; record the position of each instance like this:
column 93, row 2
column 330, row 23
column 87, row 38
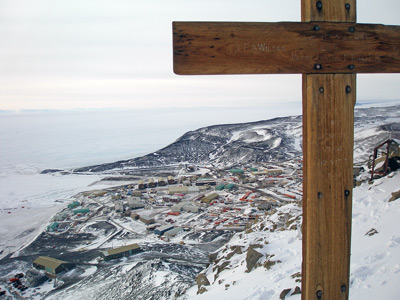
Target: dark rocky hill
column 270, row 140
column 261, row 141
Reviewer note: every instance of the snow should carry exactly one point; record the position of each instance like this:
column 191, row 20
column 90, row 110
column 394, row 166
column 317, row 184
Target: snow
column 160, row 277
column 89, row 271
column 29, row 200
column 298, row 138
column 256, row 135
column 365, row 133
column 276, row 143
column 375, row 259
column 375, row 262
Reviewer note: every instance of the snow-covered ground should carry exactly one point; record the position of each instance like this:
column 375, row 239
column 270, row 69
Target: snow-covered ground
column 375, row 258
column 30, row 199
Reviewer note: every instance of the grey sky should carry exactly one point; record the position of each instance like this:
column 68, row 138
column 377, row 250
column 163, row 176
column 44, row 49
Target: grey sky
column 96, row 53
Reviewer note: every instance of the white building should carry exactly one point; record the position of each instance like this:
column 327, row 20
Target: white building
column 119, row 206
column 135, row 203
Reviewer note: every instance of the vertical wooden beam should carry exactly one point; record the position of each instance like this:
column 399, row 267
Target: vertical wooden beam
column 328, row 135
column 328, row 121
column 328, row 10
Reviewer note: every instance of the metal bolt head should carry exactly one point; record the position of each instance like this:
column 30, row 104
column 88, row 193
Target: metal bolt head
column 316, row 28
column 347, row 193
column 320, row 195
column 319, row 5
column 347, row 6
column 317, row 67
column 352, row 29
column 321, row 90
column 348, row 89
column 319, row 294
column 351, row 67
column 343, row 288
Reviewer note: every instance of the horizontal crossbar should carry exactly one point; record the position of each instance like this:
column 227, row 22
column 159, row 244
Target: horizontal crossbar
column 205, row 48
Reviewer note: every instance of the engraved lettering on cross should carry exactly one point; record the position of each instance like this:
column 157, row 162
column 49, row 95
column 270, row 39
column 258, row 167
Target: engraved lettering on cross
column 257, row 48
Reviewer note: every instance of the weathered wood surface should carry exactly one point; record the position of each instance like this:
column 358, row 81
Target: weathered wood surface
column 328, row 138
column 328, row 121
column 328, row 10
column 285, row 48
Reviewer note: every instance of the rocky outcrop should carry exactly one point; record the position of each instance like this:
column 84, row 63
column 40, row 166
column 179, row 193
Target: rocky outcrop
column 269, row 263
column 234, row 250
column 202, row 281
column 395, row 196
column 296, row 291
column 252, row 257
column 286, row 292
column 372, row 232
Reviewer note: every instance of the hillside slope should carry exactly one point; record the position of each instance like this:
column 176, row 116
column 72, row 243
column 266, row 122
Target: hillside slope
column 264, row 261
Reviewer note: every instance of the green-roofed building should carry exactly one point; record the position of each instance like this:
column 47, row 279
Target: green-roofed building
column 52, row 227
column 236, row 171
column 120, row 252
column 73, row 205
column 82, row 211
column 230, row 186
column 220, row 187
column 50, row 265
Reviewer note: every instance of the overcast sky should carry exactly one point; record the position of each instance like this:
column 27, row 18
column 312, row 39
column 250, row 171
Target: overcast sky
column 61, row 54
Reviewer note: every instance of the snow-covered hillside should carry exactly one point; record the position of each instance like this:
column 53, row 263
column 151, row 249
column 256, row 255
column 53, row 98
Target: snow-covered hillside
column 264, row 262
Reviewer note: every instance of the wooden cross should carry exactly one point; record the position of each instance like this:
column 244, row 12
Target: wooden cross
column 328, row 47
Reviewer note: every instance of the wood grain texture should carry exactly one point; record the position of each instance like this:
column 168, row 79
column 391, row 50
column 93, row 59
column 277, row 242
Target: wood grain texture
column 328, row 121
column 284, row 48
column 328, row 137
column 328, row 10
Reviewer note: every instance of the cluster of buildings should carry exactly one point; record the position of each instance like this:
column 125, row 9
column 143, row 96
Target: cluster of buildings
column 152, row 183
column 213, row 196
column 220, row 199
column 74, row 214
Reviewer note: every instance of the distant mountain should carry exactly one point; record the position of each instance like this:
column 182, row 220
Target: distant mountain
column 271, row 140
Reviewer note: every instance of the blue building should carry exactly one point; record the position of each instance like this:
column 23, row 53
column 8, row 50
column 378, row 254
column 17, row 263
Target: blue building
column 162, row 229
